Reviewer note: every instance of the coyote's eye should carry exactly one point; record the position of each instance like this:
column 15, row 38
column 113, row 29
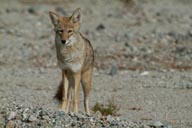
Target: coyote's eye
column 70, row 31
column 60, row 31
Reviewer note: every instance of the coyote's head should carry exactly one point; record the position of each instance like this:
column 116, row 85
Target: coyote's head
column 65, row 27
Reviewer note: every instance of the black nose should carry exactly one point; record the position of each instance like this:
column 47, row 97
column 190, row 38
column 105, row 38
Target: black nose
column 63, row 41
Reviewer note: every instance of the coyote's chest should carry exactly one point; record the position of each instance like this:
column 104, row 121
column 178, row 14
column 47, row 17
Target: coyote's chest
column 70, row 58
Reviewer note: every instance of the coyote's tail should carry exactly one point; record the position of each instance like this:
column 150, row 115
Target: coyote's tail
column 59, row 92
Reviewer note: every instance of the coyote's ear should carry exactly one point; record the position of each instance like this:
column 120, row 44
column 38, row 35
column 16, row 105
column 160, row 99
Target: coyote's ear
column 76, row 16
column 54, row 18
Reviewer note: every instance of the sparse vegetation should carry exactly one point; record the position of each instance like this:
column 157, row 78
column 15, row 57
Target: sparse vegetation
column 109, row 109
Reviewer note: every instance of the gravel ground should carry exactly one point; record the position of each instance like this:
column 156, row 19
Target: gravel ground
column 19, row 116
column 143, row 63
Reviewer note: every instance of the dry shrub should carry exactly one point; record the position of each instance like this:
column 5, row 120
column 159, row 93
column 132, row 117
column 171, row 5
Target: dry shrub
column 110, row 109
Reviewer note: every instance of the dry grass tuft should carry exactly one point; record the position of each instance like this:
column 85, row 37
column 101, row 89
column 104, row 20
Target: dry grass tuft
column 110, row 109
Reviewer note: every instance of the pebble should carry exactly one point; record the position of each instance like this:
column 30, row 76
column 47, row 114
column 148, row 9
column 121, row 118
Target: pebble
column 158, row 124
column 10, row 124
column 32, row 118
column 31, row 10
column 113, row 70
column 110, row 118
column 190, row 33
column 98, row 115
column 12, row 115
column 100, row 27
column 145, row 73
column 25, row 117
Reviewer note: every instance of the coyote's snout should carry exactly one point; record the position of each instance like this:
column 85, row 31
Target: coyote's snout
column 75, row 58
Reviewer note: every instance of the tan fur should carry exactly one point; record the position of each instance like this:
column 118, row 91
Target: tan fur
column 75, row 58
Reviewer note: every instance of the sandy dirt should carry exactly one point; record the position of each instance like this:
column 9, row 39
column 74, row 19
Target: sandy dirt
column 143, row 52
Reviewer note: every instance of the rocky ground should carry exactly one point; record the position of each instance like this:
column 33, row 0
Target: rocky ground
column 143, row 63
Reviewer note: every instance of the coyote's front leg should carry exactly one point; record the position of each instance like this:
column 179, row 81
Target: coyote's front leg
column 65, row 90
column 77, row 79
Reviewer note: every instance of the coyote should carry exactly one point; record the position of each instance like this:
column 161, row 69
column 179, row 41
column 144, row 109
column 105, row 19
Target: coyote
column 75, row 58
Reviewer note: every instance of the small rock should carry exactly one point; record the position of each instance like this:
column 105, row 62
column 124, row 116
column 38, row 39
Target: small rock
column 117, row 118
column 75, row 118
column 10, row 124
column 42, row 113
column 190, row 33
column 100, row 27
column 114, row 123
column 113, row 70
column 32, row 118
column 91, row 119
column 145, row 73
column 73, row 123
column 31, row 10
column 98, row 115
column 25, row 117
column 12, row 115
column 130, row 47
column 127, row 44
column 146, row 126
column 61, row 113
column 18, row 117
column 157, row 124
column 110, row 118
